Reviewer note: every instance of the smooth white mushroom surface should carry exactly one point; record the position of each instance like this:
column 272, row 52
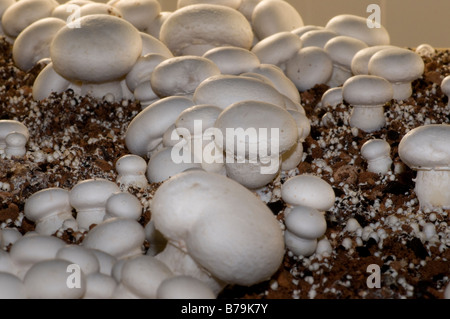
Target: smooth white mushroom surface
column 12, row 287
column 377, row 154
column 233, row 60
column 445, row 87
column 137, row 12
column 317, row 38
column 131, row 171
column 10, row 126
column 360, row 61
column 184, row 287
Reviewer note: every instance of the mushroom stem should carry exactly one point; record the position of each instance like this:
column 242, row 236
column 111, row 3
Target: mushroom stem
column 402, row 90
column 432, row 188
column 339, row 76
column 367, row 118
column 181, row 263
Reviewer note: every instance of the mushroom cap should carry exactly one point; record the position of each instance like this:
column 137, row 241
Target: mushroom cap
column 396, row 65
column 268, row 49
column 310, row 66
column 153, row 45
column 48, row 280
column 189, row 118
column 299, row 246
column 308, row 190
column 21, row 14
column 46, row 202
column 9, row 126
column 332, row 97
column 184, row 287
column 367, row 90
column 247, row 120
column 253, row 175
column 306, row 28
column 104, row 48
column 119, row 237
column 375, row 148
column 426, row 147
column 145, row 131
column 197, row 28
column 142, row 275
column 49, row 81
column 142, row 70
column 99, row 8
column 12, row 287
column 445, row 85
column 92, row 193
column 131, row 164
column 342, row 49
column 33, row 43
column 124, row 204
column 232, row 60
column 229, row 3
column 306, row 222
column 137, row 12
column 356, row 27
column 360, row 61
column 99, row 286
column 105, row 260
column 303, row 124
column 65, row 10
column 317, row 38
column 181, row 75
column 273, row 16
column 154, row 27
column 81, row 256
column 224, row 90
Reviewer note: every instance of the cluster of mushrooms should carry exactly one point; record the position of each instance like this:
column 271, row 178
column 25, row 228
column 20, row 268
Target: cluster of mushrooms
column 227, row 64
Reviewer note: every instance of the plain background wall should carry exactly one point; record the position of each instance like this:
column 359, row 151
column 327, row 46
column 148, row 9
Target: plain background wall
column 409, row 22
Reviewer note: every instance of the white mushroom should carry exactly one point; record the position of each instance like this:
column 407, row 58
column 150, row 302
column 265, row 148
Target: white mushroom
column 197, row 28
column 142, row 70
column 15, row 144
column 89, row 198
column 232, row 60
column 49, row 209
column 332, row 97
column 120, row 237
column 33, row 43
column 154, row 27
column 131, row 171
column 377, row 154
column 155, row 239
column 230, row 3
column 425, row 50
column 123, row 204
column 99, row 286
column 426, row 150
column 8, row 236
column 145, row 132
column 367, row 94
column 400, row 67
column 184, row 287
column 273, row 16
column 310, row 66
column 80, row 256
column 9, row 126
column 241, row 229
column 181, row 75
column 137, row 12
column 317, row 38
column 356, row 27
column 247, row 7
column 49, row 81
column 69, row 10
column 3, row 6
column 152, row 45
column 445, row 88
column 94, row 8
column 341, row 50
column 293, row 157
column 360, row 61
column 12, row 287
column 106, row 261
column 306, row 28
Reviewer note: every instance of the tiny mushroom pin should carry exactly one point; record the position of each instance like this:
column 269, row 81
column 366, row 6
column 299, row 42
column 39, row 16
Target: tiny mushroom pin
column 123, row 204
column 377, row 154
column 367, row 94
column 16, row 144
column 131, row 171
column 11, row 126
column 426, row 150
column 445, row 88
column 400, row 67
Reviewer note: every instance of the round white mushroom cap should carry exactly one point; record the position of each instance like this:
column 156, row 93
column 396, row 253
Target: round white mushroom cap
column 229, row 3
column 206, row 114
column 184, row 287
column 123, row 204
column 12, row 287
column 377, row 154
column 181, row 75
column 99, row 286
column 342, row 49
column 299, row 246
column 15, row 144
column 152, row 45
column 310, row 66
column 9, row 126
column 137, row 12
column 232, row 60
column 308, row 190
column 317, row 38
column 445, row 86
column 367, row 90
column 33, row 43
column 49, row 81
column 360, row 61
column 48, row 280
column 81, row 256
column 197, row 28
column 131, row 170
column 69, row 8
column 332, row 97
column 99, row 8
column 426, row 147
column 356, row 27
column 273, row 16
column 306, row 222
column 306, row 28
column 142, row 70
column 253, row 174
column 104, row 48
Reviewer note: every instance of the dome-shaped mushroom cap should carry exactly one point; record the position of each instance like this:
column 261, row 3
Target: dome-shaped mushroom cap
column 360, row 61
column 80, row 256
column 308, row 190
column 197, row 28
column 131, row 164
column 232, row 60
column 367, row 90
column 396, row 65
column 224, row 90
column 272, row 16
column 317, row 38
column 426, row 147
column 142, row 70
column 306, row 28
column 299, row 246
column 12, row 287
column 268, row 49
column 184, row 287
column 306, row 222
column 356, row 27
column 445, row 85
column 21, row 14
column 48, row 280
column 9, row 126
column 207, row 114
column 181, row 75
column 119, row 237
column 146, row 130
column 375, row 148
column 332, row 97
column 92, row 193
column 229, row 3
column 123, row 204
column 342, row 49
column 45, row 202
column 65, row 10
column 137, row 12
column 256, row 115
column 104, row 48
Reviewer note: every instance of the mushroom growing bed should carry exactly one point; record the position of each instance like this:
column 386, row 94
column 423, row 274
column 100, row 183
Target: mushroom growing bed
column 376, row 218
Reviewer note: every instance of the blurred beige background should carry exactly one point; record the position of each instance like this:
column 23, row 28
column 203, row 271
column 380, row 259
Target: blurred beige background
column 409, row 22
